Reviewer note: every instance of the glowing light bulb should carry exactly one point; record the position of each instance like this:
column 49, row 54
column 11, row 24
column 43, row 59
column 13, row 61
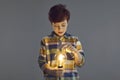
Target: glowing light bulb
column 60, row 58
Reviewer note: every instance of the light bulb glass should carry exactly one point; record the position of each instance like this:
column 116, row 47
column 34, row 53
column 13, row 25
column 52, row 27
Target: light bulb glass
column 60, row 59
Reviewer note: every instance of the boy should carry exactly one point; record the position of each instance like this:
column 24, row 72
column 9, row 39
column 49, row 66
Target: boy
column 59, row 41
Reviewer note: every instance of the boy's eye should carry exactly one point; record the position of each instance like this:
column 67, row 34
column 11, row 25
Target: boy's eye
column 63, row 25
column 58, row 26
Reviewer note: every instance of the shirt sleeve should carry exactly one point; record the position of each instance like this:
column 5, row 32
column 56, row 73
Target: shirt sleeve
column 80, row 49
column 42, row 55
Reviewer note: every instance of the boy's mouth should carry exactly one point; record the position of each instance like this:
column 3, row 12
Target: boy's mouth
column 60, row 32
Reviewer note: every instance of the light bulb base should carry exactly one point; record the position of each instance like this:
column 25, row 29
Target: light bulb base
column 60, row 66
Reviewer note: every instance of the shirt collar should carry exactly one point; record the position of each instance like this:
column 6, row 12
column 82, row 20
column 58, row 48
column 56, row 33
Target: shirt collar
column 66, row 35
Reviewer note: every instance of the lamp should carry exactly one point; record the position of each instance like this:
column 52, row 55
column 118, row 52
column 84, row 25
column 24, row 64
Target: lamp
column 60, row 58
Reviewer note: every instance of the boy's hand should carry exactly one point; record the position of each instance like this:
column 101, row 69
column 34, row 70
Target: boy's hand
column 73, row 52
column 69, row 48
column 57, row 72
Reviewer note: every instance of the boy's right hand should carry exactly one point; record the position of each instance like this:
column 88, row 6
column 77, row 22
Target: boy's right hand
column 57, row 72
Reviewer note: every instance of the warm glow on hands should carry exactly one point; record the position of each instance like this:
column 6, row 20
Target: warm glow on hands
column 67, row 50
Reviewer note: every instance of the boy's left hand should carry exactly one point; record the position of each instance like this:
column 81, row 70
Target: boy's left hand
column 69, row 48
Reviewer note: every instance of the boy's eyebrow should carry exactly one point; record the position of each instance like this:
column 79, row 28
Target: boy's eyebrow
column 58, row 24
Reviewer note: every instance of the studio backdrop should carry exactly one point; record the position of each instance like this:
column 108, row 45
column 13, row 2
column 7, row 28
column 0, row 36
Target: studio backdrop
column 23, row 23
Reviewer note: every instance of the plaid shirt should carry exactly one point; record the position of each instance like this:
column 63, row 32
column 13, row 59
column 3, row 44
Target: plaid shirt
column 50, row 45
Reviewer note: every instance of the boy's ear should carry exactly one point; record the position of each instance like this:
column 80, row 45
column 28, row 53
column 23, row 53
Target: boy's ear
column 52, row 23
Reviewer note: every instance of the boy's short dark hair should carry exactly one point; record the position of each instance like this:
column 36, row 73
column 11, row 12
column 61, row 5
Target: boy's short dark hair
column 58, row 13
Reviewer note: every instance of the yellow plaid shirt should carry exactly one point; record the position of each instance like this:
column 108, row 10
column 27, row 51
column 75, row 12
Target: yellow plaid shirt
column 50, row 45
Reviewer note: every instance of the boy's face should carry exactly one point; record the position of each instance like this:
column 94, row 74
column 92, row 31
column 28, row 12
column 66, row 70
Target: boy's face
column 60, row 27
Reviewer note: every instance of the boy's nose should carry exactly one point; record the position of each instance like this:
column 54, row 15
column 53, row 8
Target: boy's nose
column 60, row 27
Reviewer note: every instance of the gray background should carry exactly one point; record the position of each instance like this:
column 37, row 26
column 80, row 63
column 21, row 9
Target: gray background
column 24, row 22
